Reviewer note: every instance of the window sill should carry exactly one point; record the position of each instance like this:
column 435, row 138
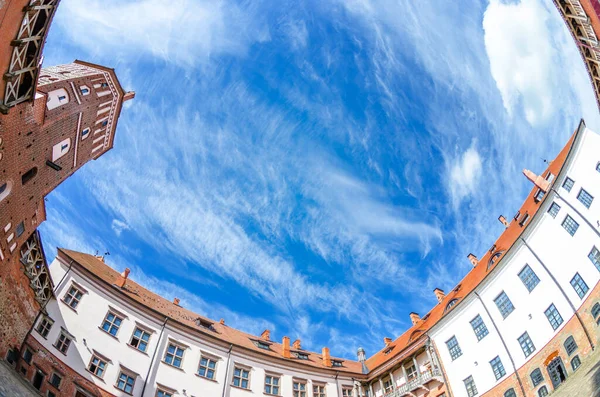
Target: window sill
column 60, row 351
column 172, row 366
column 129, row 394
column 37, row 332
column 109, row 334
column 241, row 388
column 69, row 306
column 136, row 349
column 272, row 395
column 205, row 378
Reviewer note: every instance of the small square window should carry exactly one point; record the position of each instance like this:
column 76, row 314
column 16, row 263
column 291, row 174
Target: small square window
column 241, row 378
column 579, row 285
column 73, row 297
column 63, row 342
column 111, row 324
column 140, row 339
column 299, row 389
column 570, row 225
column 174, row 355
column 554, row 209
column 319, row 391
column 272, row 385
column 568, row 184
column 585, row 198
column 97, row 366
column 44, row 326
column 207, row 368
column 125, row 382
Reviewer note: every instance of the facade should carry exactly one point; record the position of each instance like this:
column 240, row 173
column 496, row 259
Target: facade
column 519, row 324
column 52, row 121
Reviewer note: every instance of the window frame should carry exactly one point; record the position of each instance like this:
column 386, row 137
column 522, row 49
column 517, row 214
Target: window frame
column 100, row 365
column 69, row 298
column 319, row 390
column 480, row 329
column 526, row 341
column 575, row 362
column 241, row 378
column 298, row 392
column 497, row 367
column 579, row 285
column 568, row 184
column 45, row 320
column 570, row 345
column 553, row 317
column 528, row 277
column 140, row 339
column 506, row 302
column 510, row 393
column 454, row 350
column 207, row 367
column 570, row 225
column 545, row 391
column 128, row 375
column 595, row 312
column 585, row 198
column 594, row 257
column 275, row 383
column 112, row 323
column 554, row 209
column 539, row 377
column 470, row 386
column 52, row 377
column 67, row 337
column 177, row 346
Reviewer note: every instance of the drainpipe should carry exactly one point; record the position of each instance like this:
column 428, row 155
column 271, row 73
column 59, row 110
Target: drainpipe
column 154, row 355
column 40, row 312
column 585, row 330
column 337, row 385
column 227, row 370
column 503, row 343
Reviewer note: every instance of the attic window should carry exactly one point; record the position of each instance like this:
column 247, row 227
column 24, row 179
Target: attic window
column 539, row 195
column 517, row 215
column 336, row 363
column 262, row 345
column 301, row 356
column 450, row 304
column 457, row 288
column 550, row 177
column 203, row 323
column 388, row 351
column 524, row 219
column 494, row 259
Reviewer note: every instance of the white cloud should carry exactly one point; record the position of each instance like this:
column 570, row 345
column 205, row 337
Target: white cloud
column 297, row 33
column 180, row 31
column 118, row 226
column 522, row 61
column 464, row 175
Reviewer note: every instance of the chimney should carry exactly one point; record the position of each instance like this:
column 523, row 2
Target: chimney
column 286, row 347
column 100, row 257
column 296, row 345
column 176, row 301
column 414, row 317
column 538, row 181
column 439, row 294
column 222, row 322
column 387, row 340
column 123, row 278
column 473, row 259
column 266, row 335
column 503, row 220
column 129, row 95
column 326, row 357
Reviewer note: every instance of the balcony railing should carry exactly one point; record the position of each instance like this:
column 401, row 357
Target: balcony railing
column 415, row 383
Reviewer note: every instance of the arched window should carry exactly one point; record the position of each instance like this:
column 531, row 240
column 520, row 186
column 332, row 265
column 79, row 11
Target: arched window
column 510, row 393
column 450, row 304
column 570, row 345
column 85, row 133
column 575, row 363
column 536, row 377
column 29, row 175
column 543, row 392
column 60, row 149
column 57, row 98
column 596, row 312
column 5, row 188
column 84, row 89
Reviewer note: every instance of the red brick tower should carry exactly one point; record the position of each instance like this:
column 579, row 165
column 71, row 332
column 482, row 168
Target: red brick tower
column 52, row 121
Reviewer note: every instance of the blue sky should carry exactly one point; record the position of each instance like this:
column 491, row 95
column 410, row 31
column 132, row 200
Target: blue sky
column 316, row 168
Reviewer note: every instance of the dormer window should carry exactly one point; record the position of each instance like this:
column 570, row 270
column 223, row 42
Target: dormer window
column 204, row 324
column 262, row 345
column 450, row 304
column 524, row 219
column 336, row 363
column 301, row 356
column 388, row 351
column 539, row 195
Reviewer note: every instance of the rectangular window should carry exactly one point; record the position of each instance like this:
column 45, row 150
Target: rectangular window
column 529, row 278
column 595, row 257
column 174, row 355
column 44, row 326
column 579, row 285
column 125, row 382
column 526, row 344
column 63, row 342
column 346, row 393
column 73, row 297
column 479, row 327
column 504, row 304
column 554, row 209
column 241, row 378
column 536, row 377
column 272, row 385
column 207, row 368
column 585, row 198
column 387, row 385
column 568, row 184
column 97, row 366
column 27, row 356
column 111, row 323
column 539, row 195
column 299, row 389
column 470, row 386
column 553, row 316
column 319, row 391
column 55, row 380
column 140, row 339
column 570, row 225
column 163, row 393
column 411, row 372
column 453, row 348
column 497, row 367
